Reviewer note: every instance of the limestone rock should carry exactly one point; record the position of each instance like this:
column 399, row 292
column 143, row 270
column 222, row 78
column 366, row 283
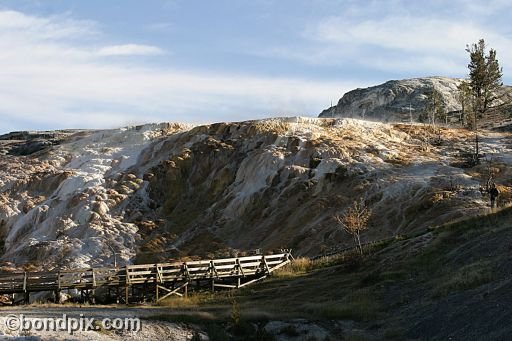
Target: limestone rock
column 399, row 100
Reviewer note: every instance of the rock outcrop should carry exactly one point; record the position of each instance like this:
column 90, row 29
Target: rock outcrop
column 401, row 100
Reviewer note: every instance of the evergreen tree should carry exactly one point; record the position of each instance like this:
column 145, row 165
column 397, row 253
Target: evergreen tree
column 435, row 108
column 464, row 96
column 484, row 80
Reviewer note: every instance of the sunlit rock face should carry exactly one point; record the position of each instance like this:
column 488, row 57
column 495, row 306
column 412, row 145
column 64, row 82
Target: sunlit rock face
column 165, row 191
column 401, row 100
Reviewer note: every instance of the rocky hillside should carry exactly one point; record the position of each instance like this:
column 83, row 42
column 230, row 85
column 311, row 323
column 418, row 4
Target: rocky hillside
column 162, row 191
column 401, row 100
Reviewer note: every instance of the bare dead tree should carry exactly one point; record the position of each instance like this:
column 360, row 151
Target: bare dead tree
column 354, row 220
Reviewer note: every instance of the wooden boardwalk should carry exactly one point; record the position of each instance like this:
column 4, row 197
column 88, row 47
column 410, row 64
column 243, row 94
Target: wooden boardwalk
column 135, row 283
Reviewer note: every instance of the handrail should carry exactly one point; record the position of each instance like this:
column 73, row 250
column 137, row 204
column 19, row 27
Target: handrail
column 127, row 275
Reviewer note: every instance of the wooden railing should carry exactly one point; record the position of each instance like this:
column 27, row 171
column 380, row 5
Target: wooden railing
column 227, row 272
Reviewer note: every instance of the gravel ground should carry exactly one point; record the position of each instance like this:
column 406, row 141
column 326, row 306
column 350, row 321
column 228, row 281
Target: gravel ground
column 34, row 318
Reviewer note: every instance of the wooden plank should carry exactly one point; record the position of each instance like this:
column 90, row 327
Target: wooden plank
column 249, row 264
column 197, row 262
column 170, row 271
column 225, row 260
column 249, row 258
column 279, row 266
column 201, row 269
column 127, row 279
column 220, row 267
column 142, row 273
column 141, row 266
column 173, row 292
column 272, row 262
column 224, row 286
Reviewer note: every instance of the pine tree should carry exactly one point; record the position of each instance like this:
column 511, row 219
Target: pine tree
column 436, row 108
column 484, row 80
column 464, row 96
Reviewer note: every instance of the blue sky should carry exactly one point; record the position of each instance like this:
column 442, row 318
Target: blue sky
column 100, row 64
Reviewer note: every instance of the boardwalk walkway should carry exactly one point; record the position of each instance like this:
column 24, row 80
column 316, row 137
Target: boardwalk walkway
column 135, row 283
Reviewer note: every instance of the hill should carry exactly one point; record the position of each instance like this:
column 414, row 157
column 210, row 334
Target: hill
column 167, row 191
column 405, row 100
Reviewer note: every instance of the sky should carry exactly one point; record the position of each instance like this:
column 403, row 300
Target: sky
column 106, row 64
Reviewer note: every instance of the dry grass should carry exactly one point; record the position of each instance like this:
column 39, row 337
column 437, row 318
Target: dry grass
column 295, row 268
column 505, row 197
column 272, row 126
column 303, row 265
column 193, row 300
column 421, row 131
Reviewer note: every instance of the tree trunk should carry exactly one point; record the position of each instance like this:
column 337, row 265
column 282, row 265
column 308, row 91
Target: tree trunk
column 358, row 241
column 477, row 150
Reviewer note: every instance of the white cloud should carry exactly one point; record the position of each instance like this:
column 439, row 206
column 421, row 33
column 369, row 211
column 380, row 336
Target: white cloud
column 44, row 28
column 52, row 79
column 399, row 36
column 130, row 50
column 409, row 34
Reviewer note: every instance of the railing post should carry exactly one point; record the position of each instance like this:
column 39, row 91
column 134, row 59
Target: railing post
column 93, row 278
column 127, row 284
column 57, row 292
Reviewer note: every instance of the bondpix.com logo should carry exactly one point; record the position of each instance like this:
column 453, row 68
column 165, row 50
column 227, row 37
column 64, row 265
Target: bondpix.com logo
column 22, row 323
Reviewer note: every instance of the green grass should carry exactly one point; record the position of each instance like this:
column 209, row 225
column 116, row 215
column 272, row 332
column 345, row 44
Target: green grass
column 376, row 277
column 361, row 305
column 466, row 278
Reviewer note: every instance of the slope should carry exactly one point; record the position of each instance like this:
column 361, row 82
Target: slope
column 451, row 282
column 163, row 191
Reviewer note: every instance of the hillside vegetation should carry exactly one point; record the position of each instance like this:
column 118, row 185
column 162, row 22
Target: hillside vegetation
column 451, row 282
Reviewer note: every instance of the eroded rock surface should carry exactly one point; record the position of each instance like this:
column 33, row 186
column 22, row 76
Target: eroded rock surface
column 165, row 191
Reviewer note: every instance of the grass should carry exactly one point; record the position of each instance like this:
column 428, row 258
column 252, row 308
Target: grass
column 295, row 268
column 376, row 277
column 393, row 277
column 273, row 126
column 466, row 278
column 361, row 305
column 201, row 299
